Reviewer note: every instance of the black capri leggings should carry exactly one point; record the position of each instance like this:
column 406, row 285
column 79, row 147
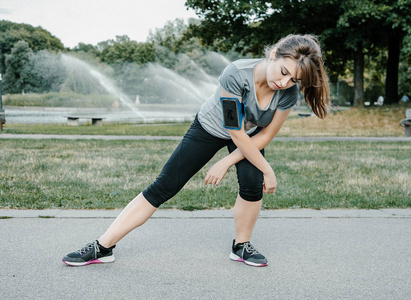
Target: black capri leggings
column 195, row 149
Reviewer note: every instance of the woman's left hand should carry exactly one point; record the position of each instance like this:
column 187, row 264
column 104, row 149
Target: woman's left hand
column 217, row 173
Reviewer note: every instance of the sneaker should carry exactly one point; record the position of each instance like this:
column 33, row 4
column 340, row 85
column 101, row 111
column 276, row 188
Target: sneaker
column 246, row 253
column 90, row 254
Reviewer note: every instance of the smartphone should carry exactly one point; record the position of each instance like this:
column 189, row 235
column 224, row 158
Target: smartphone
column 233, row 112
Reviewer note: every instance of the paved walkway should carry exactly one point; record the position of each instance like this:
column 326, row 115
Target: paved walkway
column 313, row 254
column 146, row 137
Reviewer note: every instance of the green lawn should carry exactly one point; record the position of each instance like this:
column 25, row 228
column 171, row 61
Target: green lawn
column 375, row 121
column 108, row 174
column 174, row 129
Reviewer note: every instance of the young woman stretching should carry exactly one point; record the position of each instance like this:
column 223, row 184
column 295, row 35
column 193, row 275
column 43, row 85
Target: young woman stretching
column 266, row 89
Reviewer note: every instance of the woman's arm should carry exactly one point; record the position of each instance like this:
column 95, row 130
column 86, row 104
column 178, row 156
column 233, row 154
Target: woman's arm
column 249, row 148
column 264, row 137
column 217, row 172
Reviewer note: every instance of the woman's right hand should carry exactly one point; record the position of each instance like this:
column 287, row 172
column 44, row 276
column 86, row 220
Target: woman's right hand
column 217, row 172
column 270, row 182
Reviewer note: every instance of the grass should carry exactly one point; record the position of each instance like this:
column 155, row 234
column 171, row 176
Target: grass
column 40, row 174
column 358, row 122
column 175, row 129
column 59, row 100
column 376, row 121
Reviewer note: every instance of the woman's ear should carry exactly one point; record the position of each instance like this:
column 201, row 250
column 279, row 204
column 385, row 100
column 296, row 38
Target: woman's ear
column 272, row 53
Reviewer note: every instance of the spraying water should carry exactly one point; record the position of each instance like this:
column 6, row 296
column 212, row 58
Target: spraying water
column 160, row 94
column 104, row 81
column 178, row 87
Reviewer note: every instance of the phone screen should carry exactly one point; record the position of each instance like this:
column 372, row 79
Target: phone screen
column 230, row 113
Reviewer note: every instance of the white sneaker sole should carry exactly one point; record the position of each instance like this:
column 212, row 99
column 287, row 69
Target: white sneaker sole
column 101, row 260
column 235, row 257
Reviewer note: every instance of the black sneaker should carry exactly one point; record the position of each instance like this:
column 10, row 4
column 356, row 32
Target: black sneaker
column 90, row 254
column 246, row 253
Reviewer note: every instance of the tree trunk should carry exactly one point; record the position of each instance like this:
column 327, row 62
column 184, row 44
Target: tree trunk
column 359, row 78
column 391, row 82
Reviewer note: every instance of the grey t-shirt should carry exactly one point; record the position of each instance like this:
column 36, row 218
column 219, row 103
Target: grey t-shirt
column 238, row 79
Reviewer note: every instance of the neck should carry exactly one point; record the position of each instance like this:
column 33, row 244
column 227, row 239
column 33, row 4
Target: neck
column 260, row 75
column 263, row 91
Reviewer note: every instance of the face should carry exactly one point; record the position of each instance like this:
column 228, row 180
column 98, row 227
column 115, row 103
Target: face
column 282, row 73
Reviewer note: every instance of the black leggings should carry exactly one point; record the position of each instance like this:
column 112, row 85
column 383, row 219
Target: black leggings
column 195, row 149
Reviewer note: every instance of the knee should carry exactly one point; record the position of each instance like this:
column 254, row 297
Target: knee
column 160, row 191
column 251, row 195
column 251, row 189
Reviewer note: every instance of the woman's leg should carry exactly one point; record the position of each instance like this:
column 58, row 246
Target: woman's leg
column 245, row 216
column 248, row 203
column 246, row 210
column 135, row 214
column 193, row 152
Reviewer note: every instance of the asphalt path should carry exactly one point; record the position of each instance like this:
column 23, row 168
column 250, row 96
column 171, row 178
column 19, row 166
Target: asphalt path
column 312, row 254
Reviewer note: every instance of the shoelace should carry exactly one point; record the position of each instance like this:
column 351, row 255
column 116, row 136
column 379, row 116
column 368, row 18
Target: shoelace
column 88, row 247
column 250, row 248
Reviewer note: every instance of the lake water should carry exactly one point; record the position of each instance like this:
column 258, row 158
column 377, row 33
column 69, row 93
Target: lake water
column 46, row 115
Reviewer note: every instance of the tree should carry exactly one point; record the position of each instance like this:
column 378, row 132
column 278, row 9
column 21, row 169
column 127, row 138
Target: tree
column 359, row 25
column 16, row 63
column 167, row 42
column 383, row 25
column 32, row 72
column 398, row 23
column 87, row 48
column 44, row 73
column 405, row 67
column 348, row 29
column 123, row 50
column 36, row 37
column 184, row 54
column 250, row 26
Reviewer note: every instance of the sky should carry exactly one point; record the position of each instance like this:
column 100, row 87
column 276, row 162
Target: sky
column 93, row 21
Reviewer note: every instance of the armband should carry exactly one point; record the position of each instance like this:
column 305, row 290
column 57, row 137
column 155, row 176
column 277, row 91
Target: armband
column 233, row 113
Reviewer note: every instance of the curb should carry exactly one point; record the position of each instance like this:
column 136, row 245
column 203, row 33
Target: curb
column 209, row 214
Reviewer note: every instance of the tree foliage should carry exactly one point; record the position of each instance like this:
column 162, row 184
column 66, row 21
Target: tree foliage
column 377, row 25
column 183, row 54
column 349, row 30
column 124, row 50
column 15, row 79
column 27, row 71
column 174, row 60
column 44, row 73
column 37, row 39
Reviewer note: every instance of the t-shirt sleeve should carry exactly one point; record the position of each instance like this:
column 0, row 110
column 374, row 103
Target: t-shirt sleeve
column 289, row 98
column 231, row 81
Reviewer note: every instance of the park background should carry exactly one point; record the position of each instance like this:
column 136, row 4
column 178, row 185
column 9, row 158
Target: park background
column 367, row 53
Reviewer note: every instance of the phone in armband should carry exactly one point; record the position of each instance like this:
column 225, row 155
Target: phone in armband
column 233, row 113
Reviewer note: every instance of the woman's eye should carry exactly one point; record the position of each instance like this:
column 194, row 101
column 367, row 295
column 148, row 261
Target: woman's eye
column 293, row 80
column 283, row 72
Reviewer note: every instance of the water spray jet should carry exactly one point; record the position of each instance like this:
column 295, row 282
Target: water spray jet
column 104, row 81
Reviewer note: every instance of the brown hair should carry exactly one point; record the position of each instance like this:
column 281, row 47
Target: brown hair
column 305, row 49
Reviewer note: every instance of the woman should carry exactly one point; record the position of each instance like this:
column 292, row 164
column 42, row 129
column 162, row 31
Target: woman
column 267, row 89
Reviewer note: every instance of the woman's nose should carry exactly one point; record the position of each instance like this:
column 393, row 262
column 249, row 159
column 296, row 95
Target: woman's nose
column 285, row 80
